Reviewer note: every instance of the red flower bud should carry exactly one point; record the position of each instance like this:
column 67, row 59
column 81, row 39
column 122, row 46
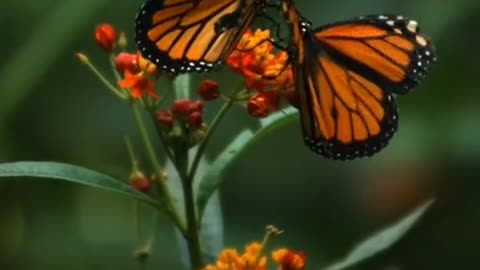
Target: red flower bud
column 139, row 182
column 196, row 106
column 257, row 106
column 126, row 61
column 165, row 119
column 195, row 120
column 182, row 108
column 106, row 36
column 209, row 90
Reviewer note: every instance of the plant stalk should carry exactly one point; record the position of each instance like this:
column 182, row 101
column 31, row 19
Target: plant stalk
column 172, row 210
column 192, row 237
column 215, row 123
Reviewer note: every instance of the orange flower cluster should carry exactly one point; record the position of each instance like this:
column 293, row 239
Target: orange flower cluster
column 138, row 72
column 289, row 260
column 230, row 259
column 254, row 58
column 265, row 71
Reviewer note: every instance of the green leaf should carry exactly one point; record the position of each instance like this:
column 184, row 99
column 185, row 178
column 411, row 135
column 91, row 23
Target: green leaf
column 381, row 240
column 74, row 174
column 211, row 233
column 211, row 227
column 244, row 141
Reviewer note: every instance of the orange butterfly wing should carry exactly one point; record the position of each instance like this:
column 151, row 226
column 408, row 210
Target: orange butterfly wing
column 347, row 80
column 191, row 35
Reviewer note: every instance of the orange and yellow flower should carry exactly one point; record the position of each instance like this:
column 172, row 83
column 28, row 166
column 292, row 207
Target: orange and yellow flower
column 289, row 260
column 137, row 75
column 230, row 259
column 262, row 67
column 265, row 70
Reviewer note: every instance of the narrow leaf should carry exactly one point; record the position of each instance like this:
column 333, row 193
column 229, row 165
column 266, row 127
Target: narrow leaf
column 211, row 233
column 74, row 174
column 381, row 240
column 211, row 227
column 246, row 139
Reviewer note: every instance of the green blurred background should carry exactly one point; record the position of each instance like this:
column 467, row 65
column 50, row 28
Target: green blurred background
column 51, row 108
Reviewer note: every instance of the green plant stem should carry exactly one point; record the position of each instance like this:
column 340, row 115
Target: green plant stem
column 272, row 232
column 139, row 232
column 201, row 148
column 188, row 176
column 118, row 93
column 172, row 210
column 192, row 237
column 131, row 153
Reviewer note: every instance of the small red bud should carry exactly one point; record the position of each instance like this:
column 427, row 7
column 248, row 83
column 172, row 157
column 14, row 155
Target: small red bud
column 195, row 120
column 126, row 61
column 196, row 106
column 181, row 108
column 209, row 90
column 106, row 36
column 257, row 106
column 165, row 119
column 139, row 182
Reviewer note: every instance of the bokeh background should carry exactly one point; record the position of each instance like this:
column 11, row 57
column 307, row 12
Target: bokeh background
column 51, row 108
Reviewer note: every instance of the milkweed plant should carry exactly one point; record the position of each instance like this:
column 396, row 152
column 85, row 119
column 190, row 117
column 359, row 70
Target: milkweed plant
column 175, row 188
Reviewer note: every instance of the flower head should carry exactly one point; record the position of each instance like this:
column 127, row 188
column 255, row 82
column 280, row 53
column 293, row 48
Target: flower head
column 256, row 60
column 137, row 75
column 127, row 61
column 230, row 259
column 139, row 182
column 106, row 36
column 265, row 70
column 209, row 90
column 289, row 260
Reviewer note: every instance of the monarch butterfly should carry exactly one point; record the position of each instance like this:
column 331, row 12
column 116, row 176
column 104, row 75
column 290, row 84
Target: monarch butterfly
column 192, row 35
column 346, row 75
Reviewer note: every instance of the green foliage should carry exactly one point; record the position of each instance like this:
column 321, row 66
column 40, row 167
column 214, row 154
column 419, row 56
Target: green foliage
column 74, row 174
column 245, row 140
column 382, row 240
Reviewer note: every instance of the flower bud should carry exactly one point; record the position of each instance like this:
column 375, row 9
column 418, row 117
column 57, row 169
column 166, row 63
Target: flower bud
column 139, row 182
column 122, row 40
column 181, row 108
column 164, row 119
column 257, row 106
column 195, row 120
column 209, row 90
column 106, row 36
column 126, row 61
column 196, row 106
column 82, row 58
